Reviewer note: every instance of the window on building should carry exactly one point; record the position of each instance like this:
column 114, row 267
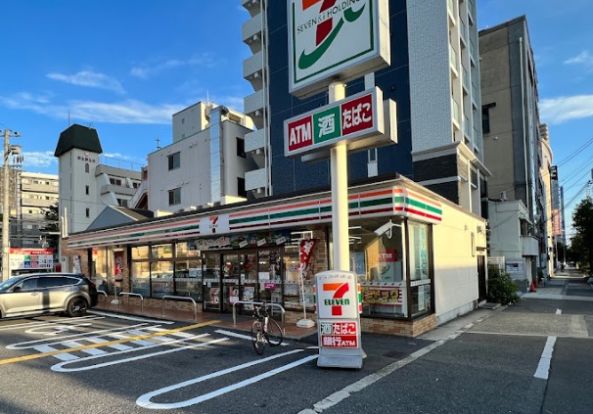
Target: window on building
column 241, row 147
column 135, row 184
column 486, row 117
column 241, row 187
column 122, row 203
column 87, row 189
column 115, row 181
column 88, row 212
column 174, row 161
column 87, row 168
column 175, row 196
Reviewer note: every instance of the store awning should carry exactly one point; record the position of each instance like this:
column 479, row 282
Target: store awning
column 399, row 197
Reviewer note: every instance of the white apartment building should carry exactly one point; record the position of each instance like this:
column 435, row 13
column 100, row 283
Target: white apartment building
column 204, row 165
column 87, row 186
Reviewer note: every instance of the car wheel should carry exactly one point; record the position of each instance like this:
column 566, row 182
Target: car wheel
column 77, row 307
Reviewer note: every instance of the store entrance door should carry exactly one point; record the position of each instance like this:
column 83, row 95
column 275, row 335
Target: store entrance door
column 231, row 277
column 211, row 292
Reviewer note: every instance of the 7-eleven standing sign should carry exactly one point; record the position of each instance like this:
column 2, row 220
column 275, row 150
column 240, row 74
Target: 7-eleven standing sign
column 339, row 320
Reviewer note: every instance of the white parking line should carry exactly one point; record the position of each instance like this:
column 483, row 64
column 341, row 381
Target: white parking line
column 58, row 340
column 145, row 400
column 44, row 323
column 60, row 367
column 129, row 318
column 52, row 330
column 543, row 368
column 240, row 336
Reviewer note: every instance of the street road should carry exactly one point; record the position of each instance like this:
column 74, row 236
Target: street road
column 492, row 363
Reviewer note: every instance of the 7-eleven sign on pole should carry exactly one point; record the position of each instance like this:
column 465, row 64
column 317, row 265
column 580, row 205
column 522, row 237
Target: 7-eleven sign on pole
column 338, row 320
column 331, row 42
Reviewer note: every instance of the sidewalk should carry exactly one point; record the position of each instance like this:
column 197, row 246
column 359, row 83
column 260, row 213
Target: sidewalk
column 563, row 287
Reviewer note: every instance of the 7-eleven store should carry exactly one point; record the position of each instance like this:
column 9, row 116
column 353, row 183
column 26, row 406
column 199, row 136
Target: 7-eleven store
column 420, row 258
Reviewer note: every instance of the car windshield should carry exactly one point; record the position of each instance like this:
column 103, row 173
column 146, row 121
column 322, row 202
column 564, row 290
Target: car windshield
column 7, row 284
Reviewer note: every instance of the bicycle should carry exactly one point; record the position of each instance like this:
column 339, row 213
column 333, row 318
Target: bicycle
column 265, row 329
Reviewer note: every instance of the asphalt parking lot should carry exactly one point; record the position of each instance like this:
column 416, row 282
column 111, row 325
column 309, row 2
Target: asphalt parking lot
column 104, row 363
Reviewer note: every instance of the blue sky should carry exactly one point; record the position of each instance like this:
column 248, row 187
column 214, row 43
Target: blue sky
column 125, row 66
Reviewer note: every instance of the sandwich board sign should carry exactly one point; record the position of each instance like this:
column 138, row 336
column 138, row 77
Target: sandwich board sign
column 331, row 39
column 338, row 320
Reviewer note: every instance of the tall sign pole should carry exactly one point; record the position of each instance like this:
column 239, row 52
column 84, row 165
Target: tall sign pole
column 339, row 188
column 6, row 209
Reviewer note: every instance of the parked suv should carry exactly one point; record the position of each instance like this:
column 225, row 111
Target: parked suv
column 35, row 294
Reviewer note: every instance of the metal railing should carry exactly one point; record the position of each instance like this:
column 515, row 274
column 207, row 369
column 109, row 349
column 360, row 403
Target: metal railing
column 136, row 295
column 268, row 305
column 187, row 298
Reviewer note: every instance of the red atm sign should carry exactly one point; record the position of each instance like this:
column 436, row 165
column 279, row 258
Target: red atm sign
column 353, row 118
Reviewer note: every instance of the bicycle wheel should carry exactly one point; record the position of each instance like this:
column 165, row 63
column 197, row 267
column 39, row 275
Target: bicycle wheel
column 274, row 334
column 257, row 337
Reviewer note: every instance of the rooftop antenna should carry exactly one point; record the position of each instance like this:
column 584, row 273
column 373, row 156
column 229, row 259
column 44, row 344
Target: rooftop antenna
column 158, row 143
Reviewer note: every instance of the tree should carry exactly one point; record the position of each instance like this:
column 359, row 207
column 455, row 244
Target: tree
column 51, row 227
column 583, row 224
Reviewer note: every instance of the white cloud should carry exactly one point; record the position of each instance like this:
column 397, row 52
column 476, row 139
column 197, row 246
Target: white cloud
column 584, row 58
column 89, row 79
column 121, row 157
column 129, row 111
column 149, row 70
column 36, row 159
column 566, row 108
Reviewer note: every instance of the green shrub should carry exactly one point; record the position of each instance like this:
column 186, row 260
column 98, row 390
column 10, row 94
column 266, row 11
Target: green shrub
column 502, row 289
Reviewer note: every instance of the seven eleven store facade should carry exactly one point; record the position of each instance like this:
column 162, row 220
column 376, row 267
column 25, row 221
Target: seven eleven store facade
column 416, row 255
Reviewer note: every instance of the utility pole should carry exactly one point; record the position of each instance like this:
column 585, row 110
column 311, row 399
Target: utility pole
column 8, row 150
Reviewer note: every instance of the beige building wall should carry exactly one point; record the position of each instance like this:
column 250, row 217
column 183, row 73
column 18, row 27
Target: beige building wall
column 457, row 243
column 498, row 143
column 546, row 167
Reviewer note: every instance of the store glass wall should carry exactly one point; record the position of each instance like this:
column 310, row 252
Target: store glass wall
column 188, row 270
column 140, row 274
column 420, row 269
column 380, row 263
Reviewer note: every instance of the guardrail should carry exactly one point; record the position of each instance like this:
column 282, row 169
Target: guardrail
column 136, row 295
column 268, row 305
column 187, row 298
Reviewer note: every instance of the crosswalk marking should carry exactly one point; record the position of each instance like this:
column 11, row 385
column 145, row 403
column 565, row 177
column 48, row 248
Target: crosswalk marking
column 117, row 347
column 77, row 344
column 61, row 357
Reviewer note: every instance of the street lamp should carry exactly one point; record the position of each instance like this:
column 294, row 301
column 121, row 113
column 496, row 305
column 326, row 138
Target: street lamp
column 8, row 151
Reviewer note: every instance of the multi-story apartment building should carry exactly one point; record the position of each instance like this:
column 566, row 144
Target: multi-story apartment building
column 204, row 166
column 511, row 129
column 38, row 192
column 87, row 185
column 433, row 77
column 558, row 225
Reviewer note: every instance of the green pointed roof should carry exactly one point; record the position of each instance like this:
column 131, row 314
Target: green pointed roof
column 79, row 137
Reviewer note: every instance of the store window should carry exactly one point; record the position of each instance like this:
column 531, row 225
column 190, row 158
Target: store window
column 380, row 263
column 188, row 270
column 161, row 270
column 420, row 277
column 140, row 280
column 270, row 275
